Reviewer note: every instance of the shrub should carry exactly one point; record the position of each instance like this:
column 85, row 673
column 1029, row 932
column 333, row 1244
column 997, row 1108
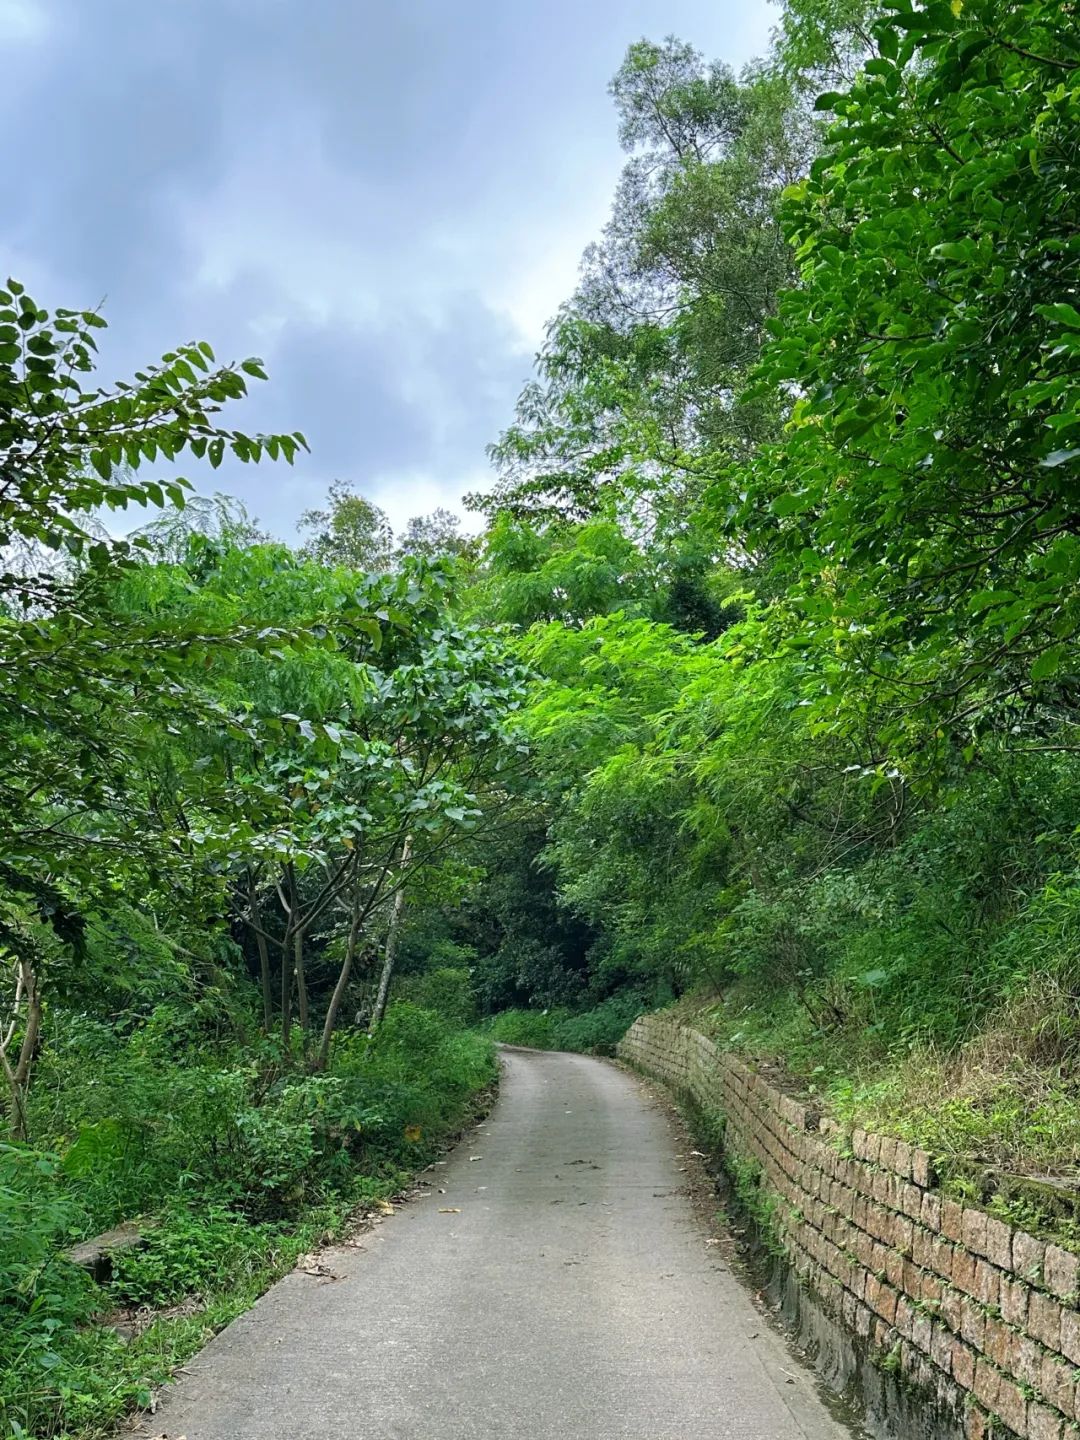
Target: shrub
column 42, row 1297
column 600, row 1029
column 447, row 991
column 190, row 1252
column 534, row 1029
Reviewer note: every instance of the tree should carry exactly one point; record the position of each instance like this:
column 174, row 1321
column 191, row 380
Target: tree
column 351, row 531
column 648, row 361
column 921, row 502
column 85, row 692
column 433, row 537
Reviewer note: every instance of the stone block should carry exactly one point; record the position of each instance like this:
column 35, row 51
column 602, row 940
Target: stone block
column 894, row 1269
column 941, row 1348
column 973, row 1324
column 963, row 1271
column 952, row 1220
column 902, row 1234
column 987, row 1282
column 1044, row 1320
column 1012, row 1405
column 1028, row 1255
column 1057, row 1382
column 963, row 1363
column 942, row 1257
column 974, row 1229
column 977, row 1424
column 886, row 1303
column 922, row 1168
column 922, row 1327
column 987, row 1381
column 952, row 1308
column 1025, row 1360
column 96, row 1255
column 998, row 1243
column 922, row 1247
column 1043, row 1423
column 931, row 1289
column 911, row 1201
column 997, row 1342
column 930, row 1212
column 1061, row 1272
column 1014, row 1302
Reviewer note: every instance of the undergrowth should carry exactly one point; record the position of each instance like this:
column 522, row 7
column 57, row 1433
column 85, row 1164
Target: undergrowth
column 234, row 1163
column 595, row 1031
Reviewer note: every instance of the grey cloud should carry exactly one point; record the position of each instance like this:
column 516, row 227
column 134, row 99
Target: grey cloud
column 350, row 187
column 420, row 395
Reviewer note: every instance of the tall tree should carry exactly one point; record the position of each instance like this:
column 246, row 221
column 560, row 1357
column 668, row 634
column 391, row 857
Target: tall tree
column 350, row 531
column 646, row 363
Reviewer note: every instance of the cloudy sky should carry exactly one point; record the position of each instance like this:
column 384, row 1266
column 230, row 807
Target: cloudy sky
column 385, row 201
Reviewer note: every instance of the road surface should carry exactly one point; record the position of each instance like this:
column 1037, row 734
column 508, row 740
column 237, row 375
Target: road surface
column 560, row 1289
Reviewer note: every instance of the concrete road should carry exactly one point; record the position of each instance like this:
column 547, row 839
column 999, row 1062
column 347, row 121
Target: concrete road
column 560, row 1287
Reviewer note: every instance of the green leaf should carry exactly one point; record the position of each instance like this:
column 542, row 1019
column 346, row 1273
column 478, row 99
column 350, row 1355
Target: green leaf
column 1061, row 314
column 1050, row 662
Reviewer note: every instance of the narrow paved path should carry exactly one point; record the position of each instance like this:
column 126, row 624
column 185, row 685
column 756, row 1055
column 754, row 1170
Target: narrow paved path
column 568, row 1293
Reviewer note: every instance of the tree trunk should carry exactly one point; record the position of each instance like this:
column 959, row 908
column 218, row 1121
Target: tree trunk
column 391, row 944
column 301, row 982
column 342, row 981
column 18, row 1076
column 297, row 930
column 264, row 955
column 286, row 991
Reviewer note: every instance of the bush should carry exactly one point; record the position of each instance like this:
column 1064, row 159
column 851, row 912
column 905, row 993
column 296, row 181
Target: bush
column 600, row 1029
column 42, row 1297
column 447, row 991
column 534, row 1029
column 190, row 1252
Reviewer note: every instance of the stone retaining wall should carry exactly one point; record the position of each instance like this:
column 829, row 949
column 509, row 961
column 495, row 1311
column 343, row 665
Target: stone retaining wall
column 980, row 1315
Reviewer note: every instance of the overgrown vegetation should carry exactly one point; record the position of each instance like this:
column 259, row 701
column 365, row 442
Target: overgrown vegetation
column 235, row 1164
column 758, row 693
column 223, row 766
column 787, row 523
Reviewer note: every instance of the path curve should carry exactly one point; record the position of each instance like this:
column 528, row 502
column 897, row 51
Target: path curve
column 567, row 1295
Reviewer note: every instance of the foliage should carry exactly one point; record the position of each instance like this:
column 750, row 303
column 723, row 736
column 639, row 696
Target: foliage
column 920, row 504
column 223, row 764
column 234, row 1174
column 534, row 1029
column 759, row 690
column 354, row 532
column 643, row 364
column 598, row 1030
column 351, row 532
column 820, row 366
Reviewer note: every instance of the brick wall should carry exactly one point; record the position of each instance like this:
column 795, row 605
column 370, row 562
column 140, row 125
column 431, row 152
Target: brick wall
column 982, row 1316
